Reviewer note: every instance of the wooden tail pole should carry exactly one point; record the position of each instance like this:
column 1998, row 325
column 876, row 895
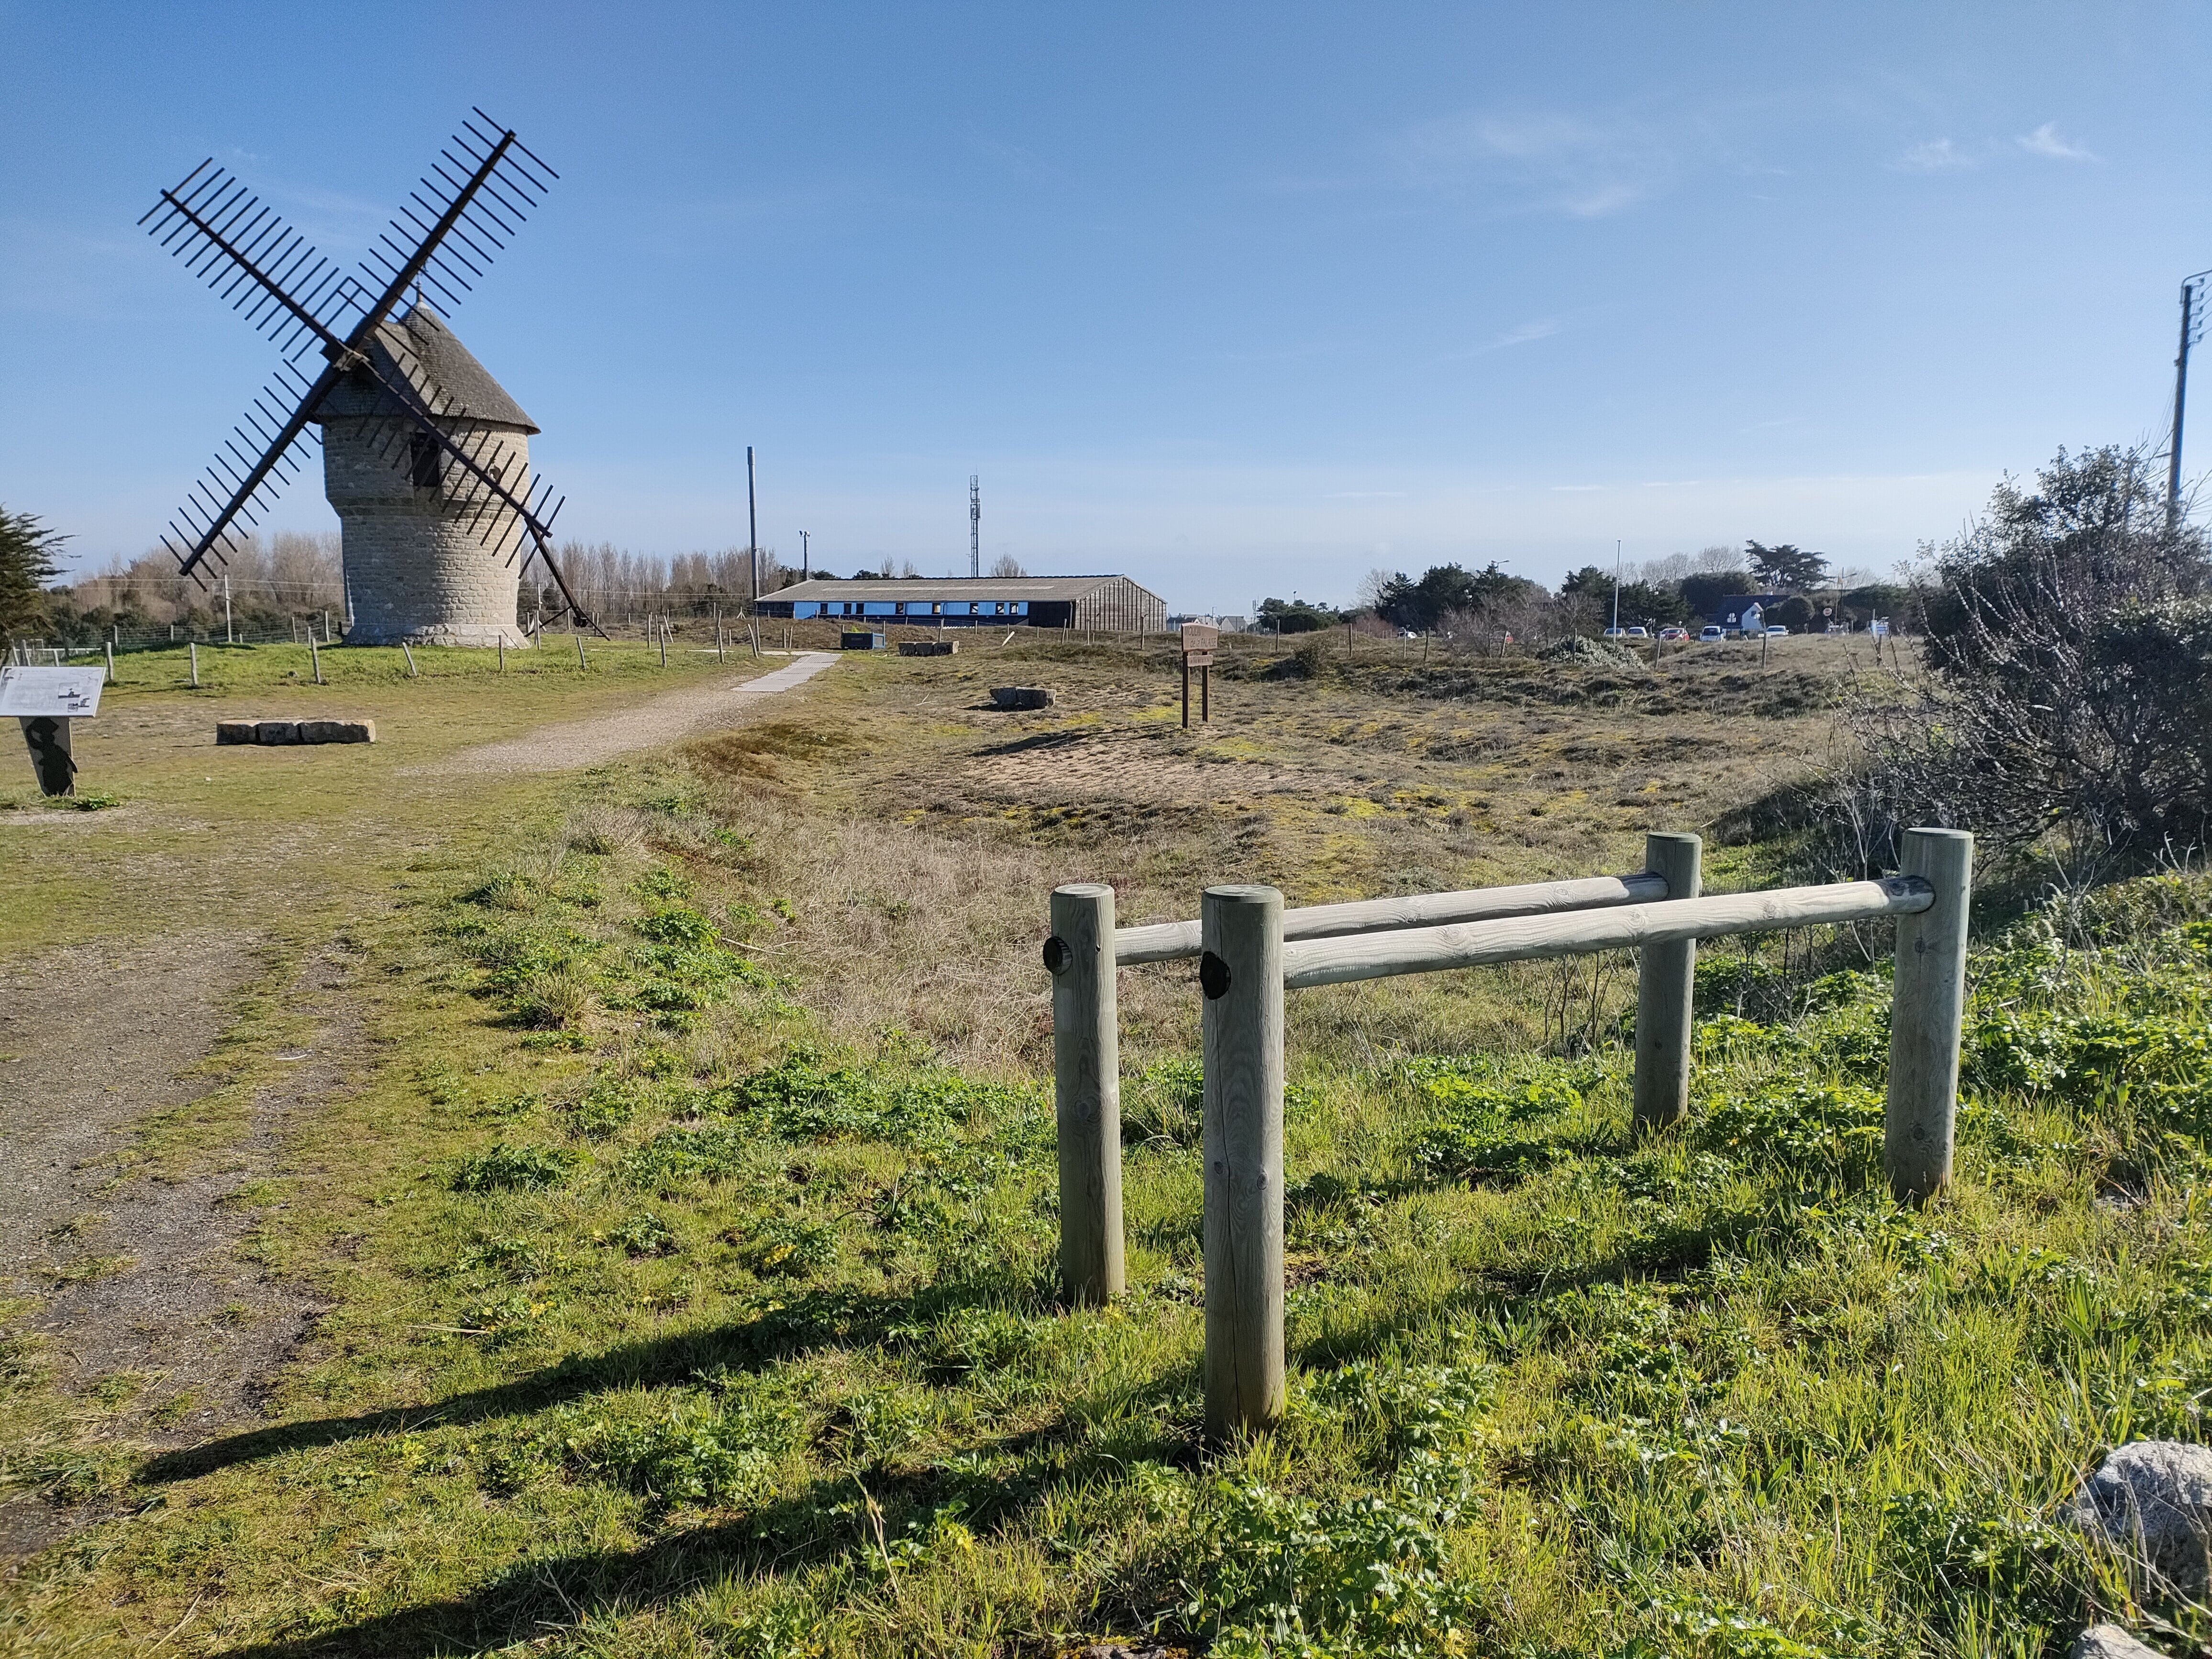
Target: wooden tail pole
column 580, row 651
column 1927, row 1015
column 315, row 655
column 111, row 662
column 1086, row 1065
column 1241, row 972
column 1666, row 976
column 413, row 672
column 192, row 650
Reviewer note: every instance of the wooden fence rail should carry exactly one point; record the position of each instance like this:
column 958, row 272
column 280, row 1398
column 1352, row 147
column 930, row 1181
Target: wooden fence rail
column 1170, row 941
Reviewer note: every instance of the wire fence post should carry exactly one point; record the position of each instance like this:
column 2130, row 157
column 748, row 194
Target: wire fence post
column 1086, row 1069
column 1241, row 972
column 1927, row 1016
column 1666, row 978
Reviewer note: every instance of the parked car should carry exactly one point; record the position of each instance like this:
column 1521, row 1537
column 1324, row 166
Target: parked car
column 1712, row 634
column 1674, row 635
column 1777, row 632
column 1639, row 632
column 1616, row 633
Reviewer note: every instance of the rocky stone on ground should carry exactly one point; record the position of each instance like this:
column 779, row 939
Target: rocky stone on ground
column 1021, row 697
column 2151, row 1501
column 2109, row 1641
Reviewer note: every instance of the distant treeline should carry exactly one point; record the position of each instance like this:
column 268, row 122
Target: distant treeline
column 1489, row 609
column 274, row 582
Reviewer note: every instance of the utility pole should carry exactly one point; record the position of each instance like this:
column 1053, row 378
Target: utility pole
column 975, row 525
column 805, row 557
column 752, row 528
column 2193, row 329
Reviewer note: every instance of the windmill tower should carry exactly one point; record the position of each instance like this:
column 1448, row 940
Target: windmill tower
column 426, row 457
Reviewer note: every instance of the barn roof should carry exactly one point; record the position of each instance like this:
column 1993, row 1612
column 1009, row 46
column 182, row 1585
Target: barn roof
column 947, row 588
column 420, row 348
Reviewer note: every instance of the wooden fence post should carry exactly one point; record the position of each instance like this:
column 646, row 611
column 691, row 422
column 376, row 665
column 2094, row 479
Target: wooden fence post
column 1927, row 1014
column 1241, row 972
column 1086, row 1071
column 315, row 655
column 1666, row 977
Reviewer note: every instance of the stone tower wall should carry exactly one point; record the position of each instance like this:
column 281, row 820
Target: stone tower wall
column 414, row 570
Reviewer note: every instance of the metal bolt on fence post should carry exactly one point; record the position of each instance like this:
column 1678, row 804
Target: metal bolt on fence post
column 1927, row 1016
column 1241, row 972
column 1086, row 1069
column 1666, row 977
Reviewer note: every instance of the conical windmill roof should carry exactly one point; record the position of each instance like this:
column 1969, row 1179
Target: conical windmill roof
column 420, row 348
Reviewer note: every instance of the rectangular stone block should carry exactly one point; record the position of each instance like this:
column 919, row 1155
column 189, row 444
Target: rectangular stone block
column 234, row 731
column 928, row 648
column 276, row 731
column 337, row 731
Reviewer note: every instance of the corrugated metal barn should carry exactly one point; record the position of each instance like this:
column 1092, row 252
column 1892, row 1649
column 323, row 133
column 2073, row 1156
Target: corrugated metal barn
column 1108, row 605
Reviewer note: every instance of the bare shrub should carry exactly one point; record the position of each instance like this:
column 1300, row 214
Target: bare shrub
column 2065, row 703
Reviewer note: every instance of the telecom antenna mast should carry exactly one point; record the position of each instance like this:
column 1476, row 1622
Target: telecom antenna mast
column 2192, row 330
column 975, row 525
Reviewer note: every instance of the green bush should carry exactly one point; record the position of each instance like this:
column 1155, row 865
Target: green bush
column 499, row 1166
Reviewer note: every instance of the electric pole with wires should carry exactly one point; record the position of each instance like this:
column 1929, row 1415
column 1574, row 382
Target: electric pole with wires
column 2192, row 330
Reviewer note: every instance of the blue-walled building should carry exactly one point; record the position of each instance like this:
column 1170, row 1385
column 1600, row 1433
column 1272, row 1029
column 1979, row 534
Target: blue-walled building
column 1094, row 603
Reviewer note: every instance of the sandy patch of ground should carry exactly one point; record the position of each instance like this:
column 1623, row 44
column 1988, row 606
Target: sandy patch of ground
column 1126, row 765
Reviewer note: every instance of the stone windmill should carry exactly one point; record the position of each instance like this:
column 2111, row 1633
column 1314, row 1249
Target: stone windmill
column 425, row 457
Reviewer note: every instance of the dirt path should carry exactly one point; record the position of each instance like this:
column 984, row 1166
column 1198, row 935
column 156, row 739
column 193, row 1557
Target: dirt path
column 667, row 719
column 137, row 1293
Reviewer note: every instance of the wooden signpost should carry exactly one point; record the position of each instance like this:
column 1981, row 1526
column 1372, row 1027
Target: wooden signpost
column 44, row 700
column 1200, row 642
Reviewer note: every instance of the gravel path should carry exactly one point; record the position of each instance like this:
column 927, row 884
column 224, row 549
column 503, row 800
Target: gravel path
column 668, row 719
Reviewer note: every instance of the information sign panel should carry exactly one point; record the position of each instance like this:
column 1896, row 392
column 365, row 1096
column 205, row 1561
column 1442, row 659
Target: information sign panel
column 68, row 693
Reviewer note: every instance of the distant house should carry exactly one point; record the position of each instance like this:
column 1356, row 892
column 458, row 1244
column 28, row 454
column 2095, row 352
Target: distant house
column 1108, row 605
column 1729, row 612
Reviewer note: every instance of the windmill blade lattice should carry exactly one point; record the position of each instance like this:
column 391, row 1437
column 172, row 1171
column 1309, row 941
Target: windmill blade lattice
column 250, row 256
column 479, row 190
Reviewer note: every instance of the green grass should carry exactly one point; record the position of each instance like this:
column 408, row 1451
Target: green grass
column 691, row 1285
column 710, row 1334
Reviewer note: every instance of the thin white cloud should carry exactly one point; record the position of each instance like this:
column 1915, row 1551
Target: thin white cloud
column 2046, row 141
column 1556, row 163
column 1520, row 334
column 1936, row 155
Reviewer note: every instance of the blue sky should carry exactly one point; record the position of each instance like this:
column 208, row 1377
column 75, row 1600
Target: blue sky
column 1237, row 299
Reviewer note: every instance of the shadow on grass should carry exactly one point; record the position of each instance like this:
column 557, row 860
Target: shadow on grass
column 811, row 1320
column 829, row 1519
